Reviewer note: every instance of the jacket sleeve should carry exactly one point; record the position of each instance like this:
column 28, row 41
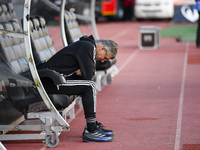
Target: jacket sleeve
column 85, row 58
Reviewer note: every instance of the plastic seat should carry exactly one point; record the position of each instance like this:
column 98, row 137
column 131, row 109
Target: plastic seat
column 73, row 32
column 42, row 44
column 5, row 14
column 13, row 15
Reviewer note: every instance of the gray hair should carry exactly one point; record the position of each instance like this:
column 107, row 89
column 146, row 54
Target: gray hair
column 110, row 45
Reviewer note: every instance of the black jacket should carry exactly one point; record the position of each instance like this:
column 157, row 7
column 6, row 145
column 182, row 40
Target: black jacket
column 78, row 55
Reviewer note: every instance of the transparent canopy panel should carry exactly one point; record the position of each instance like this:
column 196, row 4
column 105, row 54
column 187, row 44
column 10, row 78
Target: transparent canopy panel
column 17, row 88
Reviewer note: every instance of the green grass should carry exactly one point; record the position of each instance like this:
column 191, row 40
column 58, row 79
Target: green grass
column 187, row 32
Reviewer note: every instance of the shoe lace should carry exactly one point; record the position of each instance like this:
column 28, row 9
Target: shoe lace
column 101, row 132
column 101, row 126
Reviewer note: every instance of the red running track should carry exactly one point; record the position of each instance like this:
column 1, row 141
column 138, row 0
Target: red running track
column 152, row 104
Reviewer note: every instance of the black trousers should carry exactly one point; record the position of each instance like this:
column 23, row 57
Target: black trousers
column 198, row 32
column 84, row 88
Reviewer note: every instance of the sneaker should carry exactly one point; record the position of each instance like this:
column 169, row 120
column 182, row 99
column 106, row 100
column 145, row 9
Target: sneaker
column 108, row 132
column 97, row 136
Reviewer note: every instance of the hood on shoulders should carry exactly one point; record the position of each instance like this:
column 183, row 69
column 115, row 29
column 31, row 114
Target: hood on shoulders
column 88, row 38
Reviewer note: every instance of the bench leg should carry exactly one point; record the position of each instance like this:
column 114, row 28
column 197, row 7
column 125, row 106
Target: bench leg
column 104, row 80
column 99, row 75
column 71, row 113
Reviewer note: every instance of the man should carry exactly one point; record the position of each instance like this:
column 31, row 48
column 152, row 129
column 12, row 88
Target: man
column 197, row 7
column 77, row 63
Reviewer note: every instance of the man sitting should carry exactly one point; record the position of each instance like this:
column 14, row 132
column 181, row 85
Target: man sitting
column 77, row 63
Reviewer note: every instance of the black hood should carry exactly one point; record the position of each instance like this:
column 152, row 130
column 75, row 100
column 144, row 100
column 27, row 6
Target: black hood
column 88, row 38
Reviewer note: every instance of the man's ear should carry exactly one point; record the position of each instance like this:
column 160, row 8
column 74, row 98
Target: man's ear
column 110, row 56
column 104, row 48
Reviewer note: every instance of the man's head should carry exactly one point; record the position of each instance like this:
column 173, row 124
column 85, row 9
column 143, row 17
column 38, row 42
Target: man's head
column 106, row 49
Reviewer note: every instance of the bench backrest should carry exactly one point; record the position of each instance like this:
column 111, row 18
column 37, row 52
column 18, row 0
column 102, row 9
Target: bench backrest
column 72, row 30
column 13, row 48
column 42, row 43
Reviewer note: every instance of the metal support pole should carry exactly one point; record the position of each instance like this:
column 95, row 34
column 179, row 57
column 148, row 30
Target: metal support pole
column 33, row 69
column 62, row 23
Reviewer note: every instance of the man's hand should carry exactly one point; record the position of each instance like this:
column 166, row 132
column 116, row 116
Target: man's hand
column 78, row 72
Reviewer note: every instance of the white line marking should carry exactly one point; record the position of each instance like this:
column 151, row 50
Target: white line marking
column 179, row 119
column 128, row 60
column 44, row 147
column 119, row 34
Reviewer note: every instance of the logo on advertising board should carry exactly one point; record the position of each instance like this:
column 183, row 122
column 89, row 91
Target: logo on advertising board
column 189, row 13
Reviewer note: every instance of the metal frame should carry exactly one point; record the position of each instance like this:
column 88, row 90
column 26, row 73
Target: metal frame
column 33, row 69
column 81, row 17
column 91, row 18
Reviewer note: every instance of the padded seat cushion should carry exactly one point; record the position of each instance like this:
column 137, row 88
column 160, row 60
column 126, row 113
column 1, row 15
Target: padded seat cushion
column 105, row 65
column 60, row 101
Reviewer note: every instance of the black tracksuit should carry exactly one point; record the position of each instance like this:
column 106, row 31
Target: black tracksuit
column 78, row 55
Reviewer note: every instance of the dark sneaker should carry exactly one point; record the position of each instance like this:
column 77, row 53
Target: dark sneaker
column 97, row 136
column 100, row 126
